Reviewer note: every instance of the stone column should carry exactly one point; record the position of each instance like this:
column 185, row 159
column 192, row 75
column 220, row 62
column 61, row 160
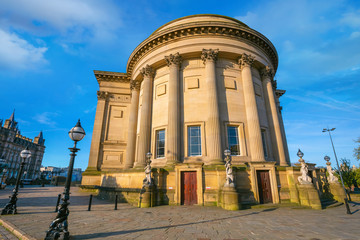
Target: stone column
column 213, row 129
column 252, row 116
column 98, row 127
column 173, row 131
column 278, row 94
column 145, row 118
column 267, row 75
column 130, row 148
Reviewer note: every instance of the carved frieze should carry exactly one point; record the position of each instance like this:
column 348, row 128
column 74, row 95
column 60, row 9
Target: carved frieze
column 119, row 98
column 102, row 95
column 209, row 54
column 173, row 59
column 147, row 71
column 246, row 60
column 135, row 85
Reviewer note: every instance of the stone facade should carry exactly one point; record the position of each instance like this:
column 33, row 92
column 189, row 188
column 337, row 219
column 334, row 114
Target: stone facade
column 197, row 86
column 12, row 143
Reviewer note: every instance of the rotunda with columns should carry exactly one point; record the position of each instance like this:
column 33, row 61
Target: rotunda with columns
column 196, row 86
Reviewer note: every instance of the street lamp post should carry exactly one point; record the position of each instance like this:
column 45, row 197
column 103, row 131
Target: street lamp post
column 337, row 162
column 3, row 177
column 60, row 223
column 10, row 208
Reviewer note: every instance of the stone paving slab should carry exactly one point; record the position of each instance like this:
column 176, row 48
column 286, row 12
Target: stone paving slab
column 36, row 207
column 6, row 235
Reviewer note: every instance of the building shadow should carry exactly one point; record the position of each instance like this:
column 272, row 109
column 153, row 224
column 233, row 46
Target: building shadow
column 106, row 234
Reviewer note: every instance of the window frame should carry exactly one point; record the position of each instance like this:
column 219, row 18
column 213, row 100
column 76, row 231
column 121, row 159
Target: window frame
column 189, row 141
column 186, row 139
column 237, row 138
column 241, row 139
column 156, row 143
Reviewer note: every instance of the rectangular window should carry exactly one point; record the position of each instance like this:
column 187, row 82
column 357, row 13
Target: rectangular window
column 194, row 141
column 263, row 137
column 160, row 143
column 233, row 140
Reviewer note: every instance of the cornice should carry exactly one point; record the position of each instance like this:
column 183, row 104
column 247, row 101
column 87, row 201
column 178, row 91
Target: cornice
column 105, row 76
column 203, row 28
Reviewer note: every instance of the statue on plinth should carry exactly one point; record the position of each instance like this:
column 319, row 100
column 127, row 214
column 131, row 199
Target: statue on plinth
column 304, row 178
column 147, row 180
column 331, row 178
column 229, row 173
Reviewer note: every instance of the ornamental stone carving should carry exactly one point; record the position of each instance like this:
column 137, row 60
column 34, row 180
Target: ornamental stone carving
column 246, row 60
column 134, row 85
column 267, row 72
column 229, row 173
column 304, row 178
column 173, row 59
column 147, row 71
column 102, row 95
column 331, row 178
column 209, row 54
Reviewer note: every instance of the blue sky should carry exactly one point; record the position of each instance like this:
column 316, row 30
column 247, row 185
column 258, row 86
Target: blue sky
column 48, row 50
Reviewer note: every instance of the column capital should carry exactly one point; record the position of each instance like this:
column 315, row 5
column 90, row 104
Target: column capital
column 209, row 54
column 267, row 72
column 246, row 60
column 102, row 95
column 134, row 85
column 173, row 59
column 147, row 71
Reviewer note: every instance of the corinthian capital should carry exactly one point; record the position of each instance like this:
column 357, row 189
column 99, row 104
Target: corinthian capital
column 246, row 60
column 173, row 59
column 134, row 85
column 267, row 72
column 209, row 54
column 147, row 71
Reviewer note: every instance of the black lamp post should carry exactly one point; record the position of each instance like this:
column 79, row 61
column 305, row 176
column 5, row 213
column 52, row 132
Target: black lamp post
column 60, row 224
column 342, row 181
column 10, row 208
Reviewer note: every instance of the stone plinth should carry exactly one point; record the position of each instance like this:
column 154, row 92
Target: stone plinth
column 230, row 199
column 309, row 196
column 147, row 197
column 337, row 191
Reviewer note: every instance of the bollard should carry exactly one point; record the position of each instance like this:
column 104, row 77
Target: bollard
column 90, row 200
column 57, row 203
column 116, row 199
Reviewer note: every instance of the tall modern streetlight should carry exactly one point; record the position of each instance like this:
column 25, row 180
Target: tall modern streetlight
column 10, row 208
column 337, row 162
column 60, row 223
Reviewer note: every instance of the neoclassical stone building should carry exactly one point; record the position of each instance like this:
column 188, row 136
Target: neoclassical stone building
column 12, row 143
column 197, row 86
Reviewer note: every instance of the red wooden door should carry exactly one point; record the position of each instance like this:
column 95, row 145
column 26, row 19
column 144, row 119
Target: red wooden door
column 264, row 186
column 188, row 188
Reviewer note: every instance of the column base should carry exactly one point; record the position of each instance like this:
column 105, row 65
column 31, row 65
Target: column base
column 139, row 165
column 215, row 162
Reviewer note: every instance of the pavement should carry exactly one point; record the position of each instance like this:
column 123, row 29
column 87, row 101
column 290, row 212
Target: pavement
column 36, row 207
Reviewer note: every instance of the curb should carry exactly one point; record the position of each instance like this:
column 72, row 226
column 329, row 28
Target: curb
column 17, row 232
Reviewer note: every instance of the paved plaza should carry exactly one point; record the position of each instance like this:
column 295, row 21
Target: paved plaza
column 36, row 207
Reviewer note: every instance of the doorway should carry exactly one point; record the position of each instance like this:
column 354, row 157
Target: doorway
column 188, row 188
column 264, row 186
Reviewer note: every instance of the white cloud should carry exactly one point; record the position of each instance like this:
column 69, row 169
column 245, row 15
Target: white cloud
column 76, row 21
column 17, row 53
column 46, row 118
